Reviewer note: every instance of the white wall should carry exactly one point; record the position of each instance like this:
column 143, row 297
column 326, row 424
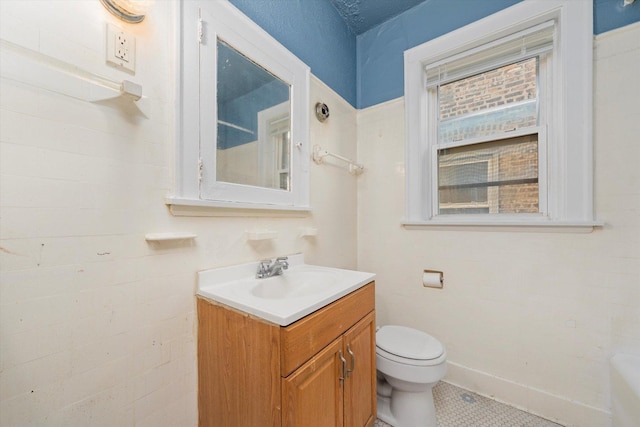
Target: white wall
column 238, row 164
column 530, row 318
column 97, row 327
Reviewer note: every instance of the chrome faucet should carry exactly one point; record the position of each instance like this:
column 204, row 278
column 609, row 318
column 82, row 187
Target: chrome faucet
column 267, row 268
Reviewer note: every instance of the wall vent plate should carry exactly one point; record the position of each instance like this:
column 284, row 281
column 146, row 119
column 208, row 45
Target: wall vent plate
column 121, row 49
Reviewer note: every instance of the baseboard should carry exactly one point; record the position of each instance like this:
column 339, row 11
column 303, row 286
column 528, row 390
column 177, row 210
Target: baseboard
column 538, row 402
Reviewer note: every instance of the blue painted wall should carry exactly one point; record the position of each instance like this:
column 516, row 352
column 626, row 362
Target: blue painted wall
column 314, row 31
column 369, row 70
column 243, row 112
column 611, row 14
column 380, row 50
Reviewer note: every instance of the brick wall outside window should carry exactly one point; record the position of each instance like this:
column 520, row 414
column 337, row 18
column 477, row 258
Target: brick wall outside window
column 505, row 85
column 493, row 102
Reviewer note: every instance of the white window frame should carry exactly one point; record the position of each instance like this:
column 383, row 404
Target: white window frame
column 566, row 167
column 200, row 24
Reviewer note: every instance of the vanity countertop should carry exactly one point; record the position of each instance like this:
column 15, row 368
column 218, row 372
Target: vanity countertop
column 283, row 299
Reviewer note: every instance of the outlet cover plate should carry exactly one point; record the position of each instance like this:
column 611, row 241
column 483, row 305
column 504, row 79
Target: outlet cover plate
column 121, row 49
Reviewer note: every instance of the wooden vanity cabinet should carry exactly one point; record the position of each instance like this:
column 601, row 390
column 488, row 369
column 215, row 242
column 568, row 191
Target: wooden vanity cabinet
column 319, row 371
column 337, row 386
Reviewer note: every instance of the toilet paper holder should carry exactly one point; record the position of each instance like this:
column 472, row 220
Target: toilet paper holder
column 433, row 279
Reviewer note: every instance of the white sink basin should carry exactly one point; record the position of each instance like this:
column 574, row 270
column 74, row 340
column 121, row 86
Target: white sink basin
column 300, row 290
column 296, row 283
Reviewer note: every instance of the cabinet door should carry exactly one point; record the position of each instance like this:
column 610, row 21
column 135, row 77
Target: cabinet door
column 238, row 369
column 312, row 395
column 360, row 385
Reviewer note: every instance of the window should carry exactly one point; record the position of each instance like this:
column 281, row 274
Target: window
column 499, row 120
column 491, row 177
column 501, row 175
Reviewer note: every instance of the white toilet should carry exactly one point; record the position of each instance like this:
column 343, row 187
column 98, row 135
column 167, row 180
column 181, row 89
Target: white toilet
column 409, row 363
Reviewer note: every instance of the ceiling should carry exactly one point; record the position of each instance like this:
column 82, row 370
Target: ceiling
column 362, row 15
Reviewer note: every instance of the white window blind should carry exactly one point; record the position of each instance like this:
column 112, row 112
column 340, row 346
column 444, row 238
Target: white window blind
column 533, row 41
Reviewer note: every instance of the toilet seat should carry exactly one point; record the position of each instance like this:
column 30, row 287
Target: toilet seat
column 408, row 346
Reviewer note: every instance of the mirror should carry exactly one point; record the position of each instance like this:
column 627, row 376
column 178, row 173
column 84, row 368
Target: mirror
column 243, row 115
column 253, row 129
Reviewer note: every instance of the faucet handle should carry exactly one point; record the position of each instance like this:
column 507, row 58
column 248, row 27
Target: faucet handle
column 263, row 268
column 283, row 260
column 264, row 264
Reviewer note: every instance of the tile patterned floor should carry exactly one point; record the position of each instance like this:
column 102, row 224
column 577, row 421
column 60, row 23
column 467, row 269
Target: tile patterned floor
column 456, row 407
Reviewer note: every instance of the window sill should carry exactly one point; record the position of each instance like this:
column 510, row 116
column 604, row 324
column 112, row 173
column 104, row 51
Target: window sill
column 195, row 207
column 508, row 225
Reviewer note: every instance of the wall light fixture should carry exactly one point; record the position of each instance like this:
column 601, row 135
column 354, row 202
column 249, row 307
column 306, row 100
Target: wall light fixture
column 131, row 11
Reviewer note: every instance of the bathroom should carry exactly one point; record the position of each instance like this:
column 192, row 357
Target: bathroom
column 98, row 325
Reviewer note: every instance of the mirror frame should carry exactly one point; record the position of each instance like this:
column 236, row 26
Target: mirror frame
column 200, row 25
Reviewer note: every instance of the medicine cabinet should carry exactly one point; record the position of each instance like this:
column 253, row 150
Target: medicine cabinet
column 243, row 114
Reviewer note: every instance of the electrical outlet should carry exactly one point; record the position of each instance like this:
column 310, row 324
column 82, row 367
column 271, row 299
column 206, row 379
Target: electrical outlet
column 122, row 46
column 121, row 49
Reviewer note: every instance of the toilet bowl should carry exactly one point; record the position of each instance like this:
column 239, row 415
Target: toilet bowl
column 409, row 363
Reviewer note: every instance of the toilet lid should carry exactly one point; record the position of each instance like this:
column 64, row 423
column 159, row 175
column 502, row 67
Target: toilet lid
column 408, row 342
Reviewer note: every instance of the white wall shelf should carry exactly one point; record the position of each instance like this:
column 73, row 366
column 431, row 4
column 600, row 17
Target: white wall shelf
column 254, row 235
column 164, row 237
column 40, row 70
column 308, row 232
